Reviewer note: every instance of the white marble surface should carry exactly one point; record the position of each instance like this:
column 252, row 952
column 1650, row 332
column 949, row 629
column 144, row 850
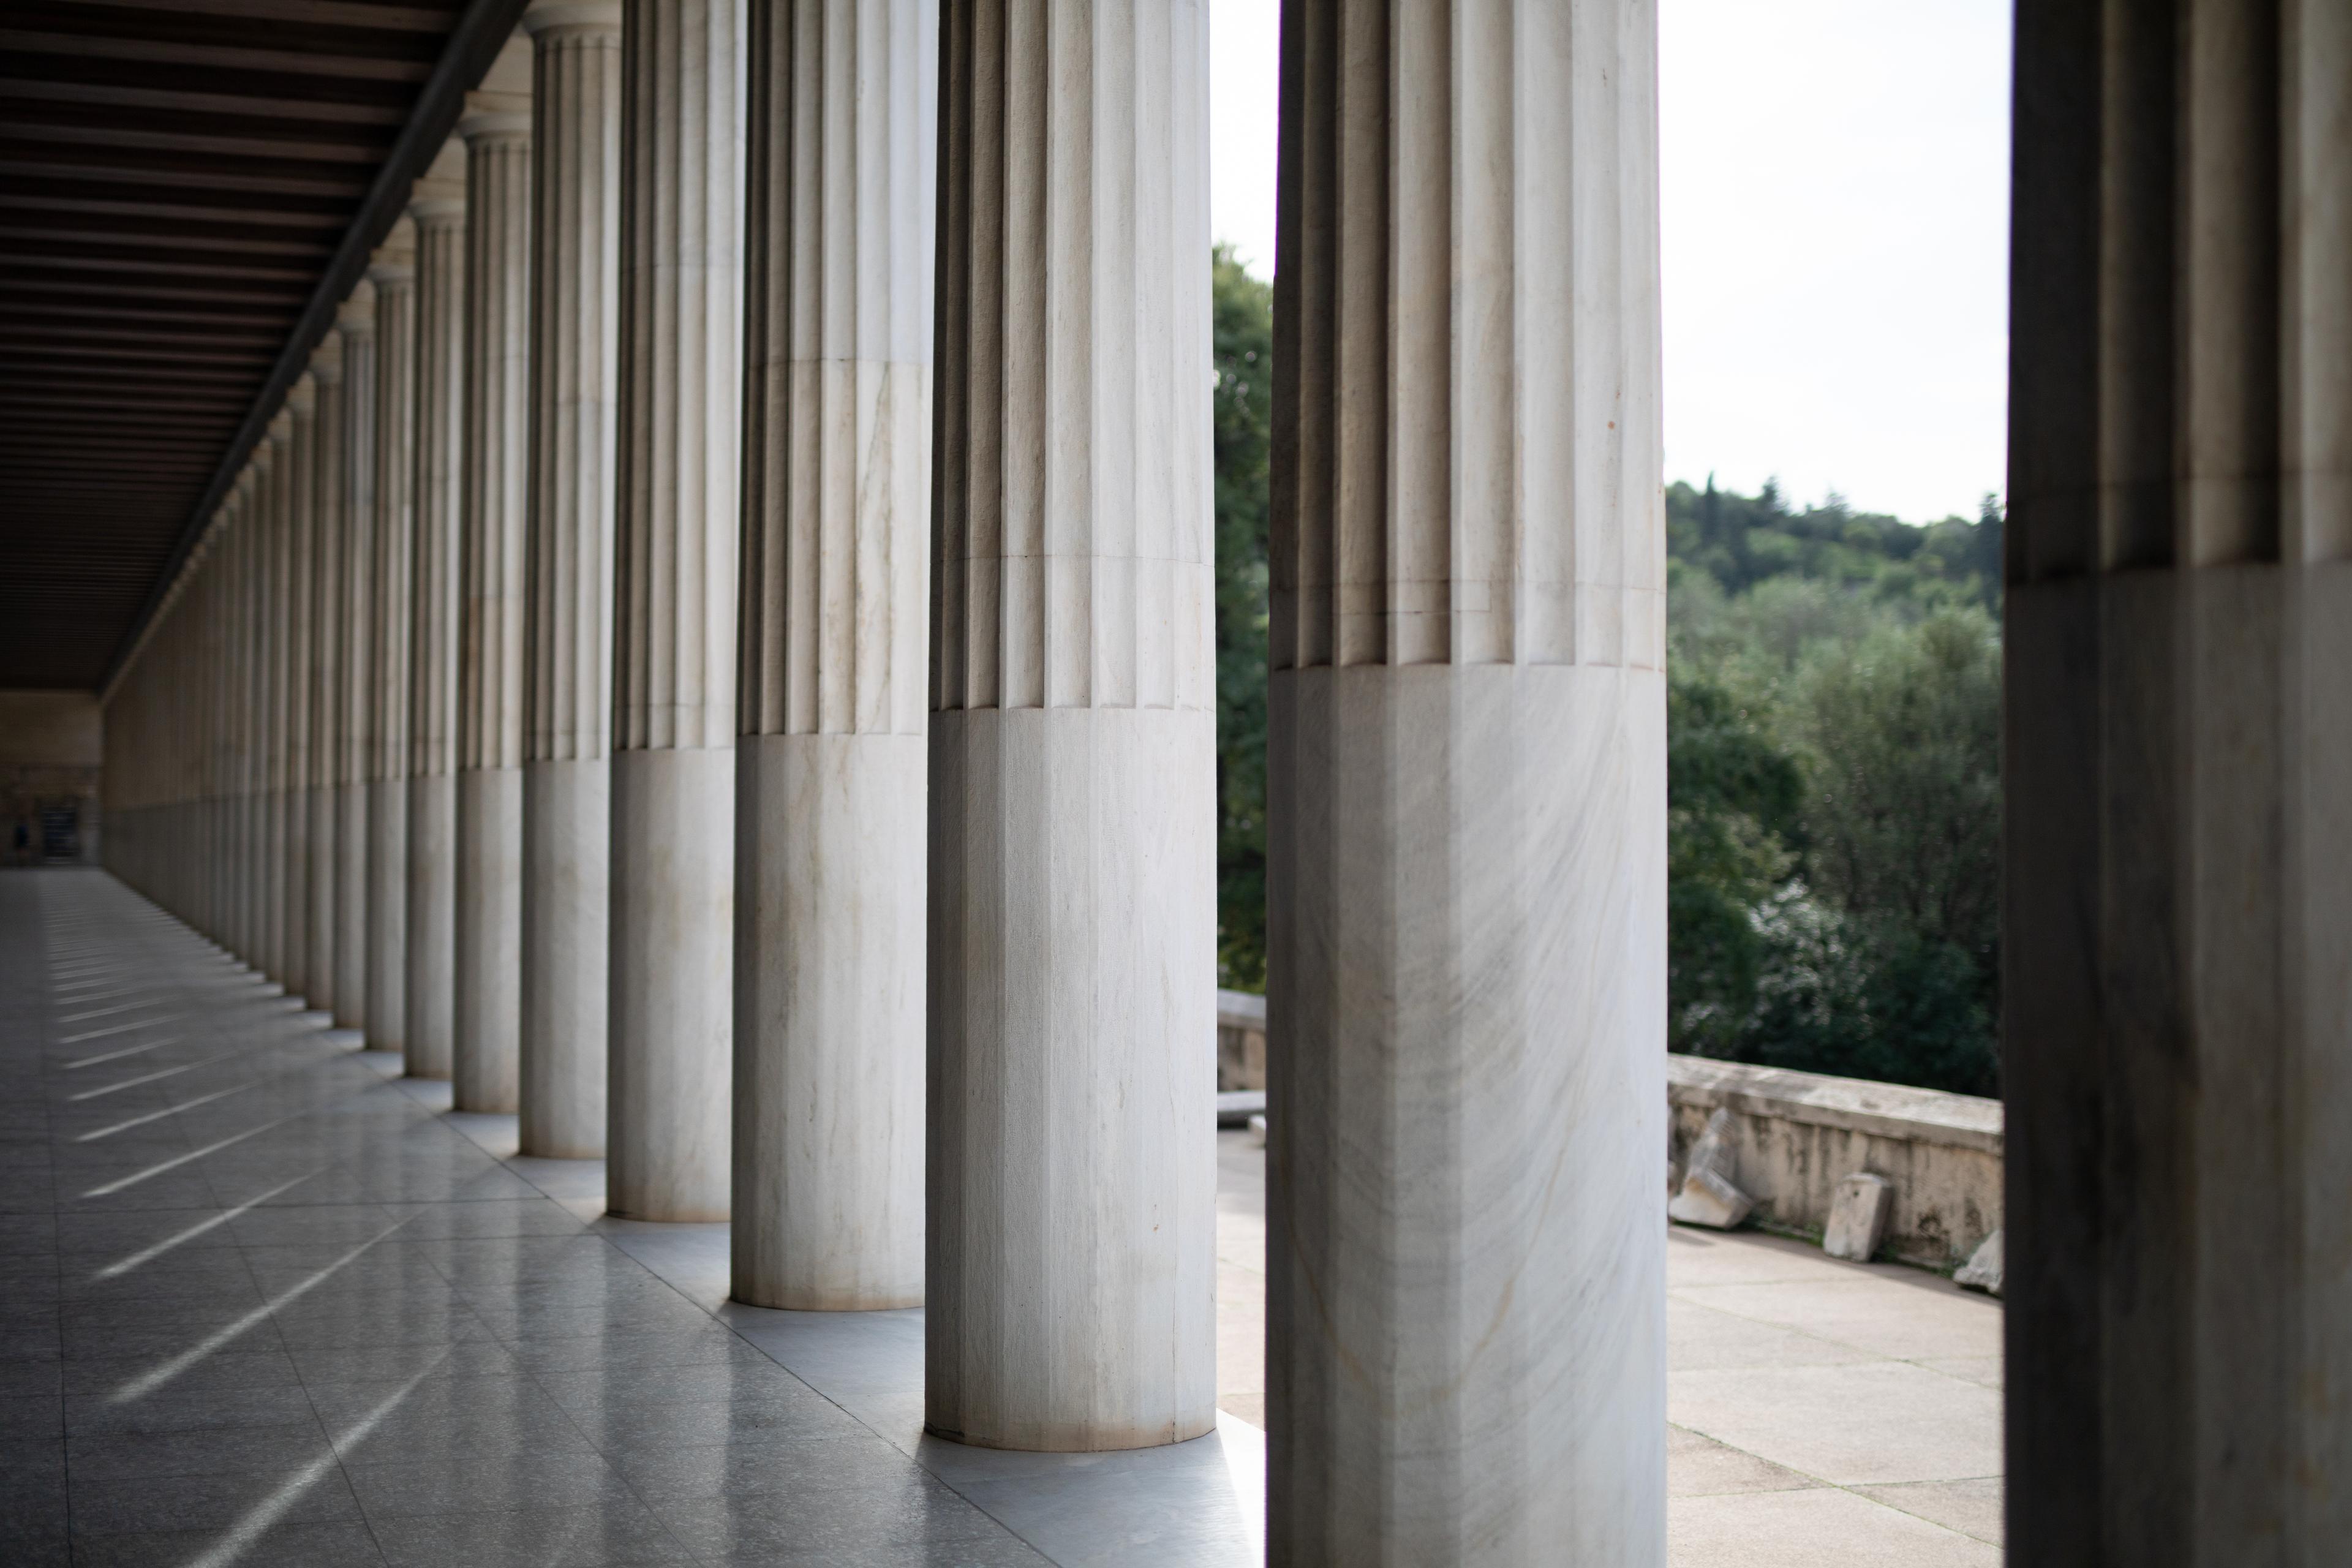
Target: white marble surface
column 567, row 835
column 391, row 269
column 354, row 686
column 567, row 654
column 296, row 485
column 672, row 963
column 485, row 1011
column 437, row 209
column 829, row 1054
column 1466, row 774
column 487, row 1014
column 828, row 1022
column 322, row 677
column 676, row 539
column 1072, row 901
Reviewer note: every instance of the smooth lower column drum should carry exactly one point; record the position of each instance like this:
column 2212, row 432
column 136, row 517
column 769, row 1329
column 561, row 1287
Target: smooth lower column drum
column 487, row 1040
column 676, row 526
column 830, row 755
column 1072, row 915
column 567, row 827
column 355, row 682
column 1465, row 1340
column 393, row 272
column 2176, row 776
column 438, row 211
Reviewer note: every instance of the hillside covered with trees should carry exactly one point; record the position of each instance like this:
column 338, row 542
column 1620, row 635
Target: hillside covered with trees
column 1834, row 703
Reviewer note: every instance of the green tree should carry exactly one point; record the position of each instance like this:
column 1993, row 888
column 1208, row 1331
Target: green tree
column 1834, row 816
column 1733, row 802
column 1242, row 312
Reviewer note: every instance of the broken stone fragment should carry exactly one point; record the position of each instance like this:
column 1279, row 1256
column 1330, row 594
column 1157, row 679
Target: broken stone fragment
column 1708, row 1196
column 1708, row 1199
column 1858, row 1212
column 1982, row 1270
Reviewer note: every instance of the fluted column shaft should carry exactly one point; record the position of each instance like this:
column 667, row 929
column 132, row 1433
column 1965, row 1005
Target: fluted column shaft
column 2177, row 771
column 495, row 129
column 244, row 636
column 385, row 729
column 830, row 754
column 261, row 609
column 269, row 629
column 355, row 672
column 298, row 495
column 438, row 211
column 1072, row 878
column 567, row 656
column 1466, row 772
column 676, row 532
column 322, row 678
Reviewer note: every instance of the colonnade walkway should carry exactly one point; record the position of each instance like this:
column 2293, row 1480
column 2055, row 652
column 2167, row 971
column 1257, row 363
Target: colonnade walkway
column 267, row 1302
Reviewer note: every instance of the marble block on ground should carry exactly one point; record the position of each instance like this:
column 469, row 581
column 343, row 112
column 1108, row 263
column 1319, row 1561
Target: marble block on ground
column 1857, row 1216
column 1982, row 1270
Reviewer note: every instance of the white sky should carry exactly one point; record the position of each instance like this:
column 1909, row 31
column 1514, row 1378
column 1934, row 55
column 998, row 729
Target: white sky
column 1835, row 225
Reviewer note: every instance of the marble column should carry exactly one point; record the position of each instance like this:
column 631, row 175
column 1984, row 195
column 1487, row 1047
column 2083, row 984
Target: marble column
column 261, row 873
column 238, row 847
column 829, row 753
column 487, row 1041
column 567, row 653
column 355, row 326
column 1465, row 1333
column 298, row 487
column 322, row 675
column 392, row 272
column 675, row 541
column 2177, row 771
column 437, row 209
column 1072, row 918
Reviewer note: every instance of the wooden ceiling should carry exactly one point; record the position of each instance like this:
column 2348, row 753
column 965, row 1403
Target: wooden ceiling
column 180, row 181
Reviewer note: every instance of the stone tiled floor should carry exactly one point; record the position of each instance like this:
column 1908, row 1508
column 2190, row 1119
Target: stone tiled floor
column 264, row 1302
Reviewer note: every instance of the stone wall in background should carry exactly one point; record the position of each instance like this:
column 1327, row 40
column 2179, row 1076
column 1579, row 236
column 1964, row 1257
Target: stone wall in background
column 1795, row 1135
column 50, row 747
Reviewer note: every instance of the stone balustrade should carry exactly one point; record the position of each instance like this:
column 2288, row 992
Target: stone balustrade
column 1798, row 1135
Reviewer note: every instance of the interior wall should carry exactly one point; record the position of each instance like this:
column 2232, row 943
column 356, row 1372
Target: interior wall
column 51, row 746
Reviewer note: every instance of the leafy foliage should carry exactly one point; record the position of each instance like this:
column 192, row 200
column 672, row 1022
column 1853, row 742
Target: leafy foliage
column 1833, row 708
column 1242, row 310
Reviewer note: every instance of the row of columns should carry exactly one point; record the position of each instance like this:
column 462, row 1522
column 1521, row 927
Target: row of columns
column 751, row 638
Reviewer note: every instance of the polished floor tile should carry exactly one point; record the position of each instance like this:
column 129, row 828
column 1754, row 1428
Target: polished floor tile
column 262, row 1301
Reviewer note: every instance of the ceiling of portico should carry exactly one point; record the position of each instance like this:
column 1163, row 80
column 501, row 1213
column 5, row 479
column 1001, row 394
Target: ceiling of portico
column 181, row 181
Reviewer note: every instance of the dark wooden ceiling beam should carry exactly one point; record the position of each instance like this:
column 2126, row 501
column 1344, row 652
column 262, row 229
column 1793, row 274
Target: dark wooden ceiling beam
column 24, row 83
column 170, row 171
column 43, row 290
column 138, row 229
column 202, row 128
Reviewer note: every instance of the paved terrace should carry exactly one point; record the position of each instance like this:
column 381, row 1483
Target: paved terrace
column 266, row 1303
